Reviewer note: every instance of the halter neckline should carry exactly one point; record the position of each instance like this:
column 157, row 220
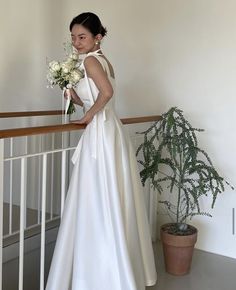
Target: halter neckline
column 95, row 52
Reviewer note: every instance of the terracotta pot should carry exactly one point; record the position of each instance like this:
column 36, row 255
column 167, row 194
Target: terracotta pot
column 178, row 251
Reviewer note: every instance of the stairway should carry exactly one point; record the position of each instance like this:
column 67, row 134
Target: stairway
column 32, row 243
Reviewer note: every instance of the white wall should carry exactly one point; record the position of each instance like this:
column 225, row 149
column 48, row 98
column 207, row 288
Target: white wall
column 195, row 69
column 165, row 53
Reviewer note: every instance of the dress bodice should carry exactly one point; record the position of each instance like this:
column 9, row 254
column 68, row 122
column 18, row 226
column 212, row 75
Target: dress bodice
column 87, row 89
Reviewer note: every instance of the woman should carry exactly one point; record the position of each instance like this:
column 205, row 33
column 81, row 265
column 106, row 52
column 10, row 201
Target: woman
column 104, row 240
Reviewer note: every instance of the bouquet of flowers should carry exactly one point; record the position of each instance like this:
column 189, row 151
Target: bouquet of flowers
column 66, row 75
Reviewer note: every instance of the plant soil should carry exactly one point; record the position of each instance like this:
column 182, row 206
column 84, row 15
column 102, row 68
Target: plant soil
column 173, row 229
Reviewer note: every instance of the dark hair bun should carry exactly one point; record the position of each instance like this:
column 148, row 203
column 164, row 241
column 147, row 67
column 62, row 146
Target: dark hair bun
column 90, row 21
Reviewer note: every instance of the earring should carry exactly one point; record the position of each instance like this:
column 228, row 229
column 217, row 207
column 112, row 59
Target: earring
column 97, row 42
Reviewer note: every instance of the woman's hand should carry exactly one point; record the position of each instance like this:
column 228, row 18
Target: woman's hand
column 67, row 93
column 74, row 97
column 88, row 117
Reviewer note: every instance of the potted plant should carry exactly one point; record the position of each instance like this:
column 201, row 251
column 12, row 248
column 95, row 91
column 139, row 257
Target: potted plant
column 170, row 158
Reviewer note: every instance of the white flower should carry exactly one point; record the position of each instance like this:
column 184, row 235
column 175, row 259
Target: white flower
column 65, row 70
column 69, row 62
column 69, row 86
column 76, row 76
column 66, row 67
column 73, row 56
column 54, row 66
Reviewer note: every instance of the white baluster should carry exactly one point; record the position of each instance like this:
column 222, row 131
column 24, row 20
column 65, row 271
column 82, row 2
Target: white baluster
column 26, row 152
column 39, row 177
column 52, row 177
column 1, row 204
column 233, row 221
column 11, row 187
column 22, row 222
column 63, row 180
column 42, row 255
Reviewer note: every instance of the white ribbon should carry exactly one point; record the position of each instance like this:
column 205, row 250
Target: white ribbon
column 76, row 153
column 67, row 104
column 93, row 131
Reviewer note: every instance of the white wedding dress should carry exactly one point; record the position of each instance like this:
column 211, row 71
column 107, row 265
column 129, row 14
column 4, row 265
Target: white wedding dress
column 104, row 239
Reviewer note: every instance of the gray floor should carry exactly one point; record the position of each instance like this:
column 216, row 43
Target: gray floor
column 31, row 218
column 209, row 272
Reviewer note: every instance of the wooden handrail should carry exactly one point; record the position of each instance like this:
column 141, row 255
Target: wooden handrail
column 30, row 113
column 65, row 127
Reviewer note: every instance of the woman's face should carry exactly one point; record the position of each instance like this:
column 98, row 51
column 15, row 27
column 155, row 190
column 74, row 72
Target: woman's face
column 82, row 39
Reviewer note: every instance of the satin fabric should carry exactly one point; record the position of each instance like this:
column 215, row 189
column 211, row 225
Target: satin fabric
column 104, row 239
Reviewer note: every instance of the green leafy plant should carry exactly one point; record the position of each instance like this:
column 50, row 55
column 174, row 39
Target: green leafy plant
column 170, row 157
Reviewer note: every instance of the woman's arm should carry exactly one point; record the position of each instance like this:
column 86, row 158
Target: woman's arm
column 74, row 97
column 95, row 71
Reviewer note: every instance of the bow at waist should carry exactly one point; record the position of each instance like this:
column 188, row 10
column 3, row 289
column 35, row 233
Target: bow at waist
column 92, row 136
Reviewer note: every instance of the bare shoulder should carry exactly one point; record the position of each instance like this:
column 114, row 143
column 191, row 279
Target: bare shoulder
column 91, row 61
column 93, row 65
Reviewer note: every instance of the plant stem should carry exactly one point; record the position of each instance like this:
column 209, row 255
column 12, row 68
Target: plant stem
column 179, row 186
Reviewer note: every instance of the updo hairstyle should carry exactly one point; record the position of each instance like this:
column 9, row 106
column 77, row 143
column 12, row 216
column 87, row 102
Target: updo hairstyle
column 91, row 22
